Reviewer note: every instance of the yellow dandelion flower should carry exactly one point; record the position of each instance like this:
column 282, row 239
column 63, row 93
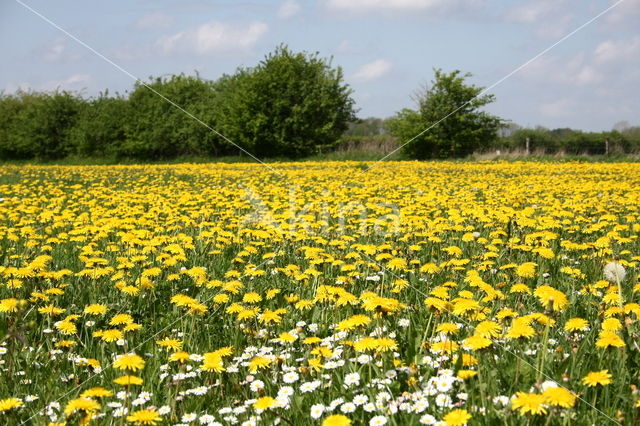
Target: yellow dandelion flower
column 129, row 362
column 252, row 297
column 609, row 338
column 520, row 288
column 212, row 361
column 353, row 322
column 559, row 396
column 10, row 403
column 520, row 329
column 488, row 329
column 121, row 319
column 66, row 327
column 264, row 403
column 322, row 351
column 526, row 270
column 385, row 344
column 286, row 337
column 551, row 298
column 447, row 328
column 444, row 347
column 596, row 378
column 132, row 327
column 128, row 380
column 96, row 393
column 87, row 405
column 458, row 417
column 529, row 403
column 221, row 298
column 51, row 310
column 576, row 324
column 110, row 335
column 476, row 342
column 611, row 324
column 95, row 309
column 466, row 374
column 171, row 344
column 144, row 417
column 258, row 363
column 180, row 356
column 131, row 290
column 336, row 420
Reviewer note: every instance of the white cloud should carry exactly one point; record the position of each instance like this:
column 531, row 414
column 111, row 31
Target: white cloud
column 611, row 51
column 554, row 28
column 288, row 9
column 588, row 75
column 529, row 13
column 17, row 87
column 73, row 82
column 373, row 70
column 345, row 46
column 550, row 19
column 214, row 37
column 364, row 5
column 154, row 20
column 348, row 48
column 610, row 63
column 623, row 14
column 129, row 51
column 575, row 70
column 562, row 107
column 55, row 51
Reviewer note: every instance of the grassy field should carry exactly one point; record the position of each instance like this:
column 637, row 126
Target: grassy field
column 320, row 293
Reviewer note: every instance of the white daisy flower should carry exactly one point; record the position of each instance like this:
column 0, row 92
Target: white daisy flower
column 352, row 379
column 316, row 411
column 378, row 421
column 348, row 407
column 290, row 377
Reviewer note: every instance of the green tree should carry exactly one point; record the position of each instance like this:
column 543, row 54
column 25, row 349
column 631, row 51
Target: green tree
column 541, row 140
column 10, row 108
column 290, row 104
column 100, row 128
column 371, row 126
column 158, row 129
column 450, row 110
column 37, row 125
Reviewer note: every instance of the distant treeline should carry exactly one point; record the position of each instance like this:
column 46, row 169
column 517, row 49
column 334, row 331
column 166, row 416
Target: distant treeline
column 289, row 105
column 373, row 132
column 571, row 142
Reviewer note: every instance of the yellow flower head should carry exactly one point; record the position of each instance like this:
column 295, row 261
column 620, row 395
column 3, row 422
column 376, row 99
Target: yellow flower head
column 458, row 417
column 144, row 417
column 529, row 403
column 129, row 362
column 336, row 420
column 87, row 405
column 597, row 378
column 10, row 403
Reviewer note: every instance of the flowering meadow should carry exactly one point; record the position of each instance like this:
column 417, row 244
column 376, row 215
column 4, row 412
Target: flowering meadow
column 320, row 294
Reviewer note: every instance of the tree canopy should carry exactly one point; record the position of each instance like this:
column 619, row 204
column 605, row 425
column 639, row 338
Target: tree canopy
column 290, row 104
column 448, row 122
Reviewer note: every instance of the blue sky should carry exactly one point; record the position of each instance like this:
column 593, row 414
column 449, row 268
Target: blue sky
column 387, row 49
